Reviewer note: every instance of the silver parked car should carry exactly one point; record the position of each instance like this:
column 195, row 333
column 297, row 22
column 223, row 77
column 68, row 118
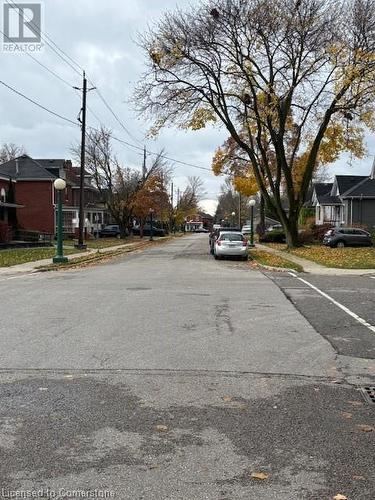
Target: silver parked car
column 231, row 244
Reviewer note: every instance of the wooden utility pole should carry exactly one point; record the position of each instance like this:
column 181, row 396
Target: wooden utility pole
column 81, row 216
column 82, row 170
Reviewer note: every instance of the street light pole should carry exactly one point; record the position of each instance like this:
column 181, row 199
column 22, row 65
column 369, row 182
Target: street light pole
column 151, row 222
column 252, row 204
column 59, row 258
column 233, row 216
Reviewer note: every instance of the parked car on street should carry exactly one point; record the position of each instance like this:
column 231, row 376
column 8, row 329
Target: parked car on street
column 231, row 244
column 275, row 227
column 246, row 230
column 201, row 230
column 347, row 236
column 110, row 231
column 215, row 234
column 156, row 231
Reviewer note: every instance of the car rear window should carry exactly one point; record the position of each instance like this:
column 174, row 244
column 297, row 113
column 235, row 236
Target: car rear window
column 231, row 237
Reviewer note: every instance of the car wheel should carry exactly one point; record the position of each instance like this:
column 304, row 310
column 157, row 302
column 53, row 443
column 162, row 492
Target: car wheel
column 340, row 244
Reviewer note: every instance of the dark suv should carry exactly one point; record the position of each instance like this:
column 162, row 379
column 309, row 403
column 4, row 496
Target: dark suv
column 347, row 237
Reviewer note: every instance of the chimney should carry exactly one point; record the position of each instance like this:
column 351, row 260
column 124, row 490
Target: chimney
column 17, row 168
column 372, row 175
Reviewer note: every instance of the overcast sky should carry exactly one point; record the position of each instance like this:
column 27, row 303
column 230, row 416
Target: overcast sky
column 100, row 36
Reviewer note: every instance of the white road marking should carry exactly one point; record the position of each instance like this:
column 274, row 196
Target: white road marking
column 342, row 307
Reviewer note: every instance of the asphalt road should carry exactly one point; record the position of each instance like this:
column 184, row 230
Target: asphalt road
column 168, row 375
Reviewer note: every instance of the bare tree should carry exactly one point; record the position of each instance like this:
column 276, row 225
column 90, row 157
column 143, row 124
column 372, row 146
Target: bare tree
column 189, row 199
column 9, row 151
column 294, row 75
column 119, row 186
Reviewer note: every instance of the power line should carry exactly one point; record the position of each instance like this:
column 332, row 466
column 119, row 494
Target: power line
column 121, row 141
column 43, row 65
column 114, row 114
column 161, row 155
column 66, row 59
column 48, row 40
column 38, row 104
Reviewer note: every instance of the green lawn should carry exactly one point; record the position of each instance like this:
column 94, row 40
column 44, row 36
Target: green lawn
column 14, row 256
column 268, row 259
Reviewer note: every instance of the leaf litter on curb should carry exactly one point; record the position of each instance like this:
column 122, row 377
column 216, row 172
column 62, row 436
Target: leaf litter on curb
column 161, row 428
column 259, row 476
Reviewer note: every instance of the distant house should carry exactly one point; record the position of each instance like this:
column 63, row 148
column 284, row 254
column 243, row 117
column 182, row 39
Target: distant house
column 349, row 200
column 198, row 221
column 33, row 181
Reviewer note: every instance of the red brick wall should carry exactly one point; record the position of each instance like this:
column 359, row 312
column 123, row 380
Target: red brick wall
column 38, row 211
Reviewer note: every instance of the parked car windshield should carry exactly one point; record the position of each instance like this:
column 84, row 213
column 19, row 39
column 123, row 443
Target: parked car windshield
column 231, row 237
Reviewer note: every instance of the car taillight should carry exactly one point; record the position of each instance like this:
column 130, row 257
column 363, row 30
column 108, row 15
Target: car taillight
column 218, row 242
column 244, row 243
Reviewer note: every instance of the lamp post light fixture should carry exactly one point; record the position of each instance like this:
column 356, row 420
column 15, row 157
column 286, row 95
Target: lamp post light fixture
column 233, row 216
column 151, row 222
column 59, row 258
column 252, row 205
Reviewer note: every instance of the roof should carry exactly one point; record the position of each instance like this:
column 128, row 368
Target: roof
column 323, row 194
column 327, row 199
column 346, row 182
column 27, row 169
column 363, row 189
column 322, row 188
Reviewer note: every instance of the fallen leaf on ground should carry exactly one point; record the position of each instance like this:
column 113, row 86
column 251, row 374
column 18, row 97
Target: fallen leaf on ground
column 359, row 478
column 261, row 476
column 161, row 428
column 355, row 403
column 365, row 428
column 340, row 497
column 346, row 415
column 227, row 399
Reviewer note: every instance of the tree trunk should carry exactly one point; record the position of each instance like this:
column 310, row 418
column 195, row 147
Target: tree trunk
column 290, row 225
column 262, row 214
column 122, row 231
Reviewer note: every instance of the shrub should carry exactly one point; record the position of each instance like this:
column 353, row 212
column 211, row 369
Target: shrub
column 306, row 236
column 275, row 236
column 318, row 232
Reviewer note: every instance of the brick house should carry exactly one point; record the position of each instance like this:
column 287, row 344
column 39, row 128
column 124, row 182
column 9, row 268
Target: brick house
column 198, row 221
column 33, row 180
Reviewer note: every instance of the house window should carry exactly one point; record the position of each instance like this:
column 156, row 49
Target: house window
column 3, row 195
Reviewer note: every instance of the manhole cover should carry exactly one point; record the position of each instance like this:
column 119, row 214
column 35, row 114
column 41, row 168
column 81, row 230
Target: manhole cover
column 368, row 393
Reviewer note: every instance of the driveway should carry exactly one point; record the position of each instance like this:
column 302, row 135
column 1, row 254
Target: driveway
column 168, row 375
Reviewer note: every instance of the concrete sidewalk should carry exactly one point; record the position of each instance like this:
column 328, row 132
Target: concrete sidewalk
column 30, row 267
column 314, row 268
